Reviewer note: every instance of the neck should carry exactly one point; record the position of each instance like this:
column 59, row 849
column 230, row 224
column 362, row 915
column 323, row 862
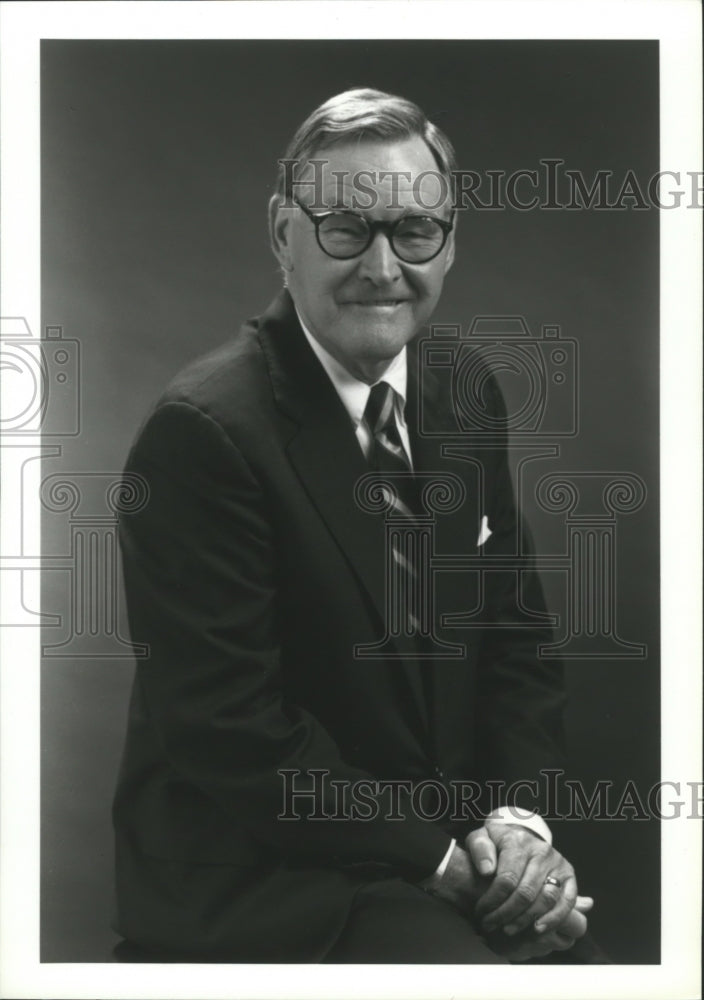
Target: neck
column 369, row 372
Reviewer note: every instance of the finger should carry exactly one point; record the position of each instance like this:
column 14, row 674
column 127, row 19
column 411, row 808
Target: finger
column 547, row 898
column 561, row 942
column 544, row 902
column 563, row 905
column 584, row 904
column 539, row 947
column 574, row 926
column 509, row 869
column 524, row 895
column 530, row 949
column 482, row 851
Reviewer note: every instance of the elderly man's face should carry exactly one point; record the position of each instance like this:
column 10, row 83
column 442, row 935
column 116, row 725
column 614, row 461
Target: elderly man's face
column 364, row 310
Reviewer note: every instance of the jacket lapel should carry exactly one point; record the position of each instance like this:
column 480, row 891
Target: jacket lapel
column 323, row 447
column 433, row 432
column 325, row 453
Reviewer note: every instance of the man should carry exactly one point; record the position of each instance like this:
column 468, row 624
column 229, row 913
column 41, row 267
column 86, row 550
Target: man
column 257, row 577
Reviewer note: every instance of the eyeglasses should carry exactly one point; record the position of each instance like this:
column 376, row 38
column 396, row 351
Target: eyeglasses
column 344, row 234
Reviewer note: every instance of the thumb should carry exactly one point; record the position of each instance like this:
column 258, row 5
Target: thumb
column 482, row 851
column 584, row 904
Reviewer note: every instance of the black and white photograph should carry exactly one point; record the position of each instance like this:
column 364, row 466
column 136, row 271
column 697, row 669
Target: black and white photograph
column 351, row 506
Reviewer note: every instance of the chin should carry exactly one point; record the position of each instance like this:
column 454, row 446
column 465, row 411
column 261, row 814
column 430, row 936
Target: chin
column 385, row 341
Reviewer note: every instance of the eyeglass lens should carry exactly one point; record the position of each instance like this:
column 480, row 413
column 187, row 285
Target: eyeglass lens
column 414, row 239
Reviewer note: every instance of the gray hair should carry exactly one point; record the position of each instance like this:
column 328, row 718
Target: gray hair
column 361, row 114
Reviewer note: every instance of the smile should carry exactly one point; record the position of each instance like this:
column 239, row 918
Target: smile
column 379, row 303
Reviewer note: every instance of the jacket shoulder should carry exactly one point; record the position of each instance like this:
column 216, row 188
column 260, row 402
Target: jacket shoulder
column 228, row 382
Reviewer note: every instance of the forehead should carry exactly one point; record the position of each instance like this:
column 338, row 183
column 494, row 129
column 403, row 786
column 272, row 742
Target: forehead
column 388, row 176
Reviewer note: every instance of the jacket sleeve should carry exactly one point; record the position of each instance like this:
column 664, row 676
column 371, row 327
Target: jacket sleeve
column 521, row 693
column 201, row 583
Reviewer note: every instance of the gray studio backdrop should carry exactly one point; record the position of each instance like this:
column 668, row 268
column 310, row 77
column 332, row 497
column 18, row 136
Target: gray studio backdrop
column 157, row 162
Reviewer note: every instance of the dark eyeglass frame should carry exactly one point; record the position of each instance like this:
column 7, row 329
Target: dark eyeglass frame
column 388, row 228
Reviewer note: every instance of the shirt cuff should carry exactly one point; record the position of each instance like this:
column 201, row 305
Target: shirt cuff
column 523, row 817
column 440, row 870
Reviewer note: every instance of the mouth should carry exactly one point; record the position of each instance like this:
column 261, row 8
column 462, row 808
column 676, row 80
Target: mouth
column 377, row 303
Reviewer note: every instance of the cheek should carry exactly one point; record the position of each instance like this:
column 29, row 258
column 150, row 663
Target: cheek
column 428, row 290
column 315, row 288
column 322, row 279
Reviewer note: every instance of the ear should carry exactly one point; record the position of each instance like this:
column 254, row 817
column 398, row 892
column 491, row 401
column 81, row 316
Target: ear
column 280, row 219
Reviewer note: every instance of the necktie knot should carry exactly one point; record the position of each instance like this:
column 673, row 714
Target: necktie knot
column 387, row 453
column 379, row 411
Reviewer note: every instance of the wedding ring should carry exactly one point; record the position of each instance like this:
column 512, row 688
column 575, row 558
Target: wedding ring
column 551, row 880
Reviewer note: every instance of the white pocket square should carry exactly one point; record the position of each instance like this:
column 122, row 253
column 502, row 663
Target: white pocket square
column 484, row 531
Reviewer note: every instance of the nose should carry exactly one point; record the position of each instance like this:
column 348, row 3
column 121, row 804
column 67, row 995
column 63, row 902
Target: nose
column 379, row 263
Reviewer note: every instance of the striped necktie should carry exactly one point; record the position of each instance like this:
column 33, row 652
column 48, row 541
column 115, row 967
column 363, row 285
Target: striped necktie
column 388, row 455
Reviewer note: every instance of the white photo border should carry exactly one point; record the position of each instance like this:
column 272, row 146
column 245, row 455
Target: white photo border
column 676, row 25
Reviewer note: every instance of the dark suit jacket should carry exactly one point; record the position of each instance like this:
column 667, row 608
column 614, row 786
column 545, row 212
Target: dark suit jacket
column 252, row 573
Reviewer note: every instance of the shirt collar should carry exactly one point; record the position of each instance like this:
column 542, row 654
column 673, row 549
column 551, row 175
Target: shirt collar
column 353, row 392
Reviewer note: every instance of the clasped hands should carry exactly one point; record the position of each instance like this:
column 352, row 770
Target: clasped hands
column 499, row 880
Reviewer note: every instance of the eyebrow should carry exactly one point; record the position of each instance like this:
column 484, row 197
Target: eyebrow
column 406, row 213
